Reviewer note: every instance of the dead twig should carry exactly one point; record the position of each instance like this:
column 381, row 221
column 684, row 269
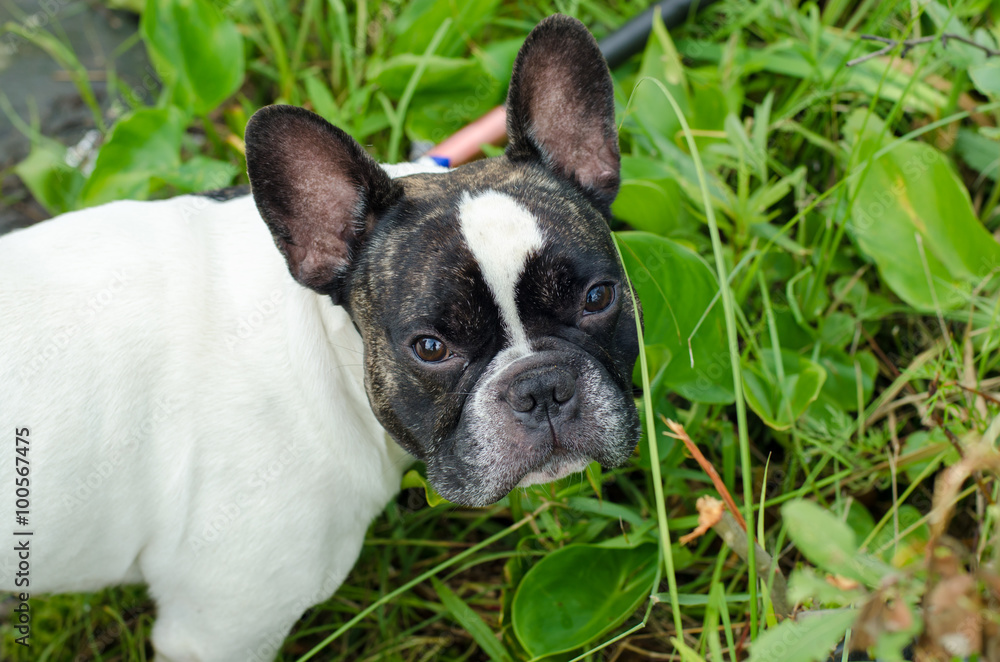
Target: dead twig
column 677, row 431
column 909, row 44
column 729, row 524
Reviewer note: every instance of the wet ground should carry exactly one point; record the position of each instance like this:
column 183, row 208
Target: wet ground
column 41, row 92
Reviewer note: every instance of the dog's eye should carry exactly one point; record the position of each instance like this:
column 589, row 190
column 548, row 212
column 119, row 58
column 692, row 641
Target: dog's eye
column 430, row 349
column 599, row 298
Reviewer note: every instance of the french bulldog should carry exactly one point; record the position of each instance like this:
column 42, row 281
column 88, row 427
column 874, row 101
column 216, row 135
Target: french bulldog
column 186, row 406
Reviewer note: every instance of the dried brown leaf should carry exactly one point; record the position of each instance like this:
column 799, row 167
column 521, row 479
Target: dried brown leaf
column 710, row 512
column 843, row 583
column 978, row 457
column 883, row 613
column 953, row 623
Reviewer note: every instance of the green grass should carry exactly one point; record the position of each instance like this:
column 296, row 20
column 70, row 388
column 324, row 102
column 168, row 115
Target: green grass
column 848, row 209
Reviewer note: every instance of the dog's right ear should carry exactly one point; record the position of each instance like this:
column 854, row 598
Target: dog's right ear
column 318, row 191
column 561, row 108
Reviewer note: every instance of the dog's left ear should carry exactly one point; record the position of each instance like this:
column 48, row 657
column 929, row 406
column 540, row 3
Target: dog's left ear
column 561, row 108
column 318, row 191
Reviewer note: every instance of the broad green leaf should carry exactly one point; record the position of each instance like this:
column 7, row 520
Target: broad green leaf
column 414, row 478
column 808, row 639
column 579, row 592
column 912, row 215
column 806, row 583
column 436, row 115
column 676, row 288
column 649, row 198
column 470, row 620
column 710, row 105
column 980, row 152
column 662, row 63
column 608, row 509
column 773, row 234
column 498, row 57
column 450, row 93
column 371, row 123
column 197, row 52
column 821, row 536
column 829, row 543
column 658, row 357
column 444, row 75
column 650, row 206
column 322, row 99
column 779, row 405
column 414, row 27
column 841, row 385
column 859, row 520
column 46, row 174
column 201, row 173
column 144, row 144
column 791, row 335
column 892, row 646
column 986, row 77
column 837, row 330
column 639, row 167
column 867, row 305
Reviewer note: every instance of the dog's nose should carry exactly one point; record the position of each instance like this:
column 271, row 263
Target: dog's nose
column 541, row 393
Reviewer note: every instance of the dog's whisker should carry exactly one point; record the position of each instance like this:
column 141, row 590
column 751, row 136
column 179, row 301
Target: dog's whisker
column 348, row 349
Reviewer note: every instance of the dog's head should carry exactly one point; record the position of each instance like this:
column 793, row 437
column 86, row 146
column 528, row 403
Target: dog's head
column 498, row 329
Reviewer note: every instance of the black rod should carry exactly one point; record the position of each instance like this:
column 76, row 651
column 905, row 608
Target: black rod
column 628, row 40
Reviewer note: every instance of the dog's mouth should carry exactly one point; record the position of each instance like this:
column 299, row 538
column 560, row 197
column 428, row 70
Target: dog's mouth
column 559, row 464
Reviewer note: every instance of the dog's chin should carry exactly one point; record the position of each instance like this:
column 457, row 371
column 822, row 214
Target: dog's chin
column 557, row 465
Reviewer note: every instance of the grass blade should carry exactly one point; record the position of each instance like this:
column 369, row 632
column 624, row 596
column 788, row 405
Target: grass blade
column 396, row 135
column 470, row 620
column 728, row 307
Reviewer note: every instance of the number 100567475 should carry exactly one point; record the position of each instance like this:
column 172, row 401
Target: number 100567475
column 22, row 482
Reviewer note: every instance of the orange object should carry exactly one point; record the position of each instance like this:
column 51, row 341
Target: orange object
column 466, row 144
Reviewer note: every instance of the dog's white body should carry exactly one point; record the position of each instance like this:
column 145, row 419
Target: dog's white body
column 252, row 445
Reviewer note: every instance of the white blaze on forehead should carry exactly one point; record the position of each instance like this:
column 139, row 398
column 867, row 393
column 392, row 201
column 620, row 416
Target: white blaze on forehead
column 501, row 234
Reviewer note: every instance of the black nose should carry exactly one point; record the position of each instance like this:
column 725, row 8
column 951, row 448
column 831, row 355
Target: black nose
column 541, row 393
